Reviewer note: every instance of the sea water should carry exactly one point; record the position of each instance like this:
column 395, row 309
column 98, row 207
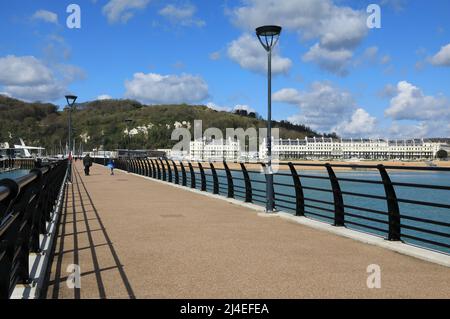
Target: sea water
column 14, row 174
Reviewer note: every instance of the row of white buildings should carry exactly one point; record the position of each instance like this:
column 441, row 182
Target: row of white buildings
column 318, row 148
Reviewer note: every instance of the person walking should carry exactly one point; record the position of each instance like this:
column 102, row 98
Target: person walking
column 111, row 166
column 87, row 163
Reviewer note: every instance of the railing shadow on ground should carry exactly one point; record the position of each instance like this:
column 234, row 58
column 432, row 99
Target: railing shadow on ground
column 78, row 205
column 381, row 200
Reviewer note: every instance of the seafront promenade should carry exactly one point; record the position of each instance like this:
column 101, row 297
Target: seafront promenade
column 137, row 238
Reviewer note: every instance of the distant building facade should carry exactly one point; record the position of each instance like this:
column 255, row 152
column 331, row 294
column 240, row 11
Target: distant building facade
column 214, row 150
column 318, row 148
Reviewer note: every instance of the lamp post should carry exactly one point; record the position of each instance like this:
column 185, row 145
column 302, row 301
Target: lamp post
column 268, row 36
column 128, row 121
column 71, row 99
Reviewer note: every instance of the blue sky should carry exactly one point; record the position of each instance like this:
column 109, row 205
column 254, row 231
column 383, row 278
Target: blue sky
column 332, row 72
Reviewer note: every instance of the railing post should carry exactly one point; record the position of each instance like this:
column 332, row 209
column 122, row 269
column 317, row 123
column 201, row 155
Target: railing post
column 248, row 184
column 37, row 210
column 163, row 170
column 192, row 175
column 154, row 171
column 142, row 166
column 392, row 203
column 159, row 169
column 169, row 170
column 183, row 174
column 337, row 196
column 138, row 167
column 230, row 184
column 299, row 196
column 215, row 179
column 175, row 173
column 203, row 177
column 148, row 170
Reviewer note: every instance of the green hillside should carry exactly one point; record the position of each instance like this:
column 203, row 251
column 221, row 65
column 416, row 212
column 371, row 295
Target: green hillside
column 100, row 123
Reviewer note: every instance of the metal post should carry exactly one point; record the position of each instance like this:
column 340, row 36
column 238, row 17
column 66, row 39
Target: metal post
column 203, row 177
column 183, row 174
column 215, row 179
column 299, row 196
column 169, row 170
column 159, row 170
column 229, row 180
column 154, row 171
column 248, row 184
column 163, row 170
column 192, row 175
column 175, row 172
column 393, row 208
column 269, row 189
column 69, row 176
column 337, row 196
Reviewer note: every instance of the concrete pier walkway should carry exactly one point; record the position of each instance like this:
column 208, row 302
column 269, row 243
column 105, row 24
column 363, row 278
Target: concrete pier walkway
column 136, row 238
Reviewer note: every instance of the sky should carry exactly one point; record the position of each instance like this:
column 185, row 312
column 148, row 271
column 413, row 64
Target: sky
column 332, row 70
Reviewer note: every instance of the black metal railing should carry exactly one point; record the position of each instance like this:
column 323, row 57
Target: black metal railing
column 395, row 202
column 16, row 163
column 26, row 204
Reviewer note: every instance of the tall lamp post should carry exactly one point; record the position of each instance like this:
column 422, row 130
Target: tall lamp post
column 71, row 99
column 268, row 36
column 128, row 121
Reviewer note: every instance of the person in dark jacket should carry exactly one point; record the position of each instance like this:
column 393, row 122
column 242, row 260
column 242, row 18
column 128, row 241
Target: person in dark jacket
column 87, row 163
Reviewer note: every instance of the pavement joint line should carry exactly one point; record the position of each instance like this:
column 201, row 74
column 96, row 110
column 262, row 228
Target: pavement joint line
column 399, row 247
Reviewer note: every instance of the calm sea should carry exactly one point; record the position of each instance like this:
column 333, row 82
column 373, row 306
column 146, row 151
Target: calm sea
column 14, row 174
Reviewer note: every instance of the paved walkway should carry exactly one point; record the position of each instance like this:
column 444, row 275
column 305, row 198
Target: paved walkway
column 135, row 238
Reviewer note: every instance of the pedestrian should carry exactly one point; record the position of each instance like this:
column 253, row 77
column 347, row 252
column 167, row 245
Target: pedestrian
column 111, row 166
column 87, row 163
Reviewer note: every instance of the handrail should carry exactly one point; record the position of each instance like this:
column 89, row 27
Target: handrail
column 26, row 204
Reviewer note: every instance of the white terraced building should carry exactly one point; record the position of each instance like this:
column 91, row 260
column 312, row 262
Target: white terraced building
column 371, row 149
column 214, row 150
column 320, row 148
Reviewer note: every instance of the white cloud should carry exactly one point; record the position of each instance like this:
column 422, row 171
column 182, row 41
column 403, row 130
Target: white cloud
column 183, row 15
column 334, row 61
column 322, row 107
column 42, row 92
column 5, row 94
column 442, row 58
column 360, row 124
column 123, row 10
column 104, row 97
column 338, row 29
column 219, row 108
column 26, row 70
column 216, row 107
column 248, row 52
column 410, row 103
column 167, row 89
column 31, row 79
column 46, row 16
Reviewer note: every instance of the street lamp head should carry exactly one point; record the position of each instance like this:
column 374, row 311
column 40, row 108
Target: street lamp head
column 268, row 35
column 71, row 100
